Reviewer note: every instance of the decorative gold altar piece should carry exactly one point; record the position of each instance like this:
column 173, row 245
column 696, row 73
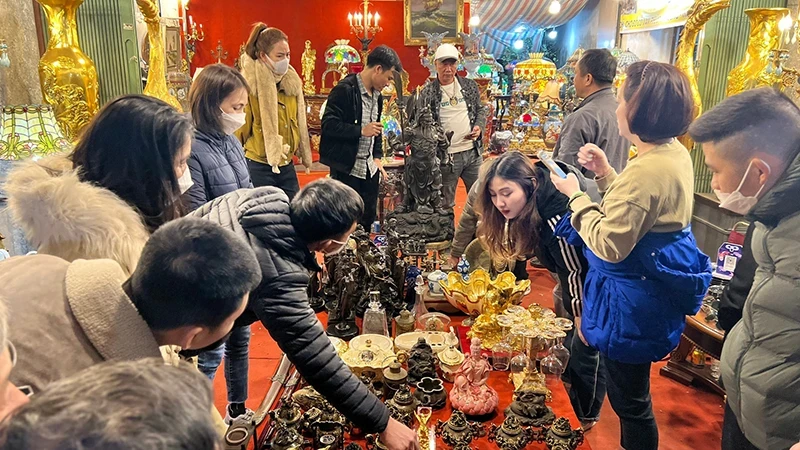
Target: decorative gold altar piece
column 701, row 12
column 68, row 76
column 369, row 353
column 157, row 75
column 309, row 62
column 765, row 35
column 537, row 322
column 480, row 291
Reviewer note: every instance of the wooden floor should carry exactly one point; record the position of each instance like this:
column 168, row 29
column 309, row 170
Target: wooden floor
column 688, row 418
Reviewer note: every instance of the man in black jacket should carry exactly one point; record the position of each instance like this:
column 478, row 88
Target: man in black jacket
column 285, row 236
column 351, row 143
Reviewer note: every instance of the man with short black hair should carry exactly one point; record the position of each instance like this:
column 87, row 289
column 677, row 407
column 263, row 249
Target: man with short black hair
column 751, row 143
column 455, row 103
column 285, row 236
column 191, row 283
column 121, row 405
column 594, row 120
column 352, row 135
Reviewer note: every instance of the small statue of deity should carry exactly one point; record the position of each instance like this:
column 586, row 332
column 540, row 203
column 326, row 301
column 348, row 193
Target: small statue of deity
column 309, row 62
column 529, row 409
column 470, row 393
column 421, row 362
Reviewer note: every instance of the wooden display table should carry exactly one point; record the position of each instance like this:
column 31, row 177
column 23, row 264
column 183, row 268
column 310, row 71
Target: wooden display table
column 705, row 336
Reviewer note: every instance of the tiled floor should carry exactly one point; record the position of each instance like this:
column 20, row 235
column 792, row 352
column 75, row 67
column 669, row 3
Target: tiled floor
column 688, row 418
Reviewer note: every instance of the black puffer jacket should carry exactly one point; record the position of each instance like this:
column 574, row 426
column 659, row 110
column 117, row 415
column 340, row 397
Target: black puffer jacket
column 218, row 167
column 261, row 216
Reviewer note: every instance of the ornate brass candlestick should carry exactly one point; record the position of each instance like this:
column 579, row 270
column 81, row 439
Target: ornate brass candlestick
column 192, row 39
column 219, row 53
column 364, row 27
column 68, row 76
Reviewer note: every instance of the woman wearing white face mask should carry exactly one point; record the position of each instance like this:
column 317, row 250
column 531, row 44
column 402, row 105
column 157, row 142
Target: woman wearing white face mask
column 275, row 120
column 218, row 98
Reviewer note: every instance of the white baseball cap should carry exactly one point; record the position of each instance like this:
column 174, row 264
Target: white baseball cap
column 446, row 51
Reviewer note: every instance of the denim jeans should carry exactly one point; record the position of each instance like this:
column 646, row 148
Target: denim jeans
column 237, row 363
column 466, row 166
column 629, row 393
column 732, row 436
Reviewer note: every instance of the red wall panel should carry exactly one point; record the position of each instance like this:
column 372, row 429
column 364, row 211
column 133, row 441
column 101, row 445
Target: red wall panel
column 321, row 21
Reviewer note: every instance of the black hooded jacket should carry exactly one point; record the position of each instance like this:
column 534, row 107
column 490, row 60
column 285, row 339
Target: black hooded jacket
column 261, row 216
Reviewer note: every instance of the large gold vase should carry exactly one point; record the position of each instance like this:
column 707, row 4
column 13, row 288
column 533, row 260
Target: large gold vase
column 764, row 36
column 68, row 76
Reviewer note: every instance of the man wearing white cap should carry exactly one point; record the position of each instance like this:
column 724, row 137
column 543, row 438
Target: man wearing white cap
column 455, row 102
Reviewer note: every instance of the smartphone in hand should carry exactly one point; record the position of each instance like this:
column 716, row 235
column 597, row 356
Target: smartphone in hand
column 548, row 161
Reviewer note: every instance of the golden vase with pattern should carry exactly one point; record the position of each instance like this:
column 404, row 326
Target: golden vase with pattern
column 68, row 76
column 764, row 36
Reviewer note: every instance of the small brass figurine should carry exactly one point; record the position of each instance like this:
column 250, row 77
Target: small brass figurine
column 561, row 436
column 510, row 435
column 287, row 439
column 287, row 415
column 457, row 432
column 421, row 362
column 424, row 434
column 403, row 405
column 309, row 62
column 529, row 409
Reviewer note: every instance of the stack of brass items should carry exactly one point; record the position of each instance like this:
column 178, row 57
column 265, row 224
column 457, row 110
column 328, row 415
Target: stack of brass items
column 493, row 325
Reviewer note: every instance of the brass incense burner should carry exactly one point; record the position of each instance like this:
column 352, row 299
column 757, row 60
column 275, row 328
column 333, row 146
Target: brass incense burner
column 457, row 432
column 402, row 405
column 561, row 436
column 510, row 435
column 529, row 409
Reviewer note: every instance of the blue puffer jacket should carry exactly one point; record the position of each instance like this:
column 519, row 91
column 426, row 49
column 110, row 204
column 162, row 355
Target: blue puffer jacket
column 634, row 311
column 218, row 167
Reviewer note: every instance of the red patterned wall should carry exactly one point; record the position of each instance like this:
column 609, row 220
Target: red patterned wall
column 320, row 21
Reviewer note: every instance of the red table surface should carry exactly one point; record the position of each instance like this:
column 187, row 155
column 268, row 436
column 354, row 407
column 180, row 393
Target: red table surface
column 499, row 381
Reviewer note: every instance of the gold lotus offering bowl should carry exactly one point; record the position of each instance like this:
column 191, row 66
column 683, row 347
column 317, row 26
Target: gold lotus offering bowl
column 480, row 291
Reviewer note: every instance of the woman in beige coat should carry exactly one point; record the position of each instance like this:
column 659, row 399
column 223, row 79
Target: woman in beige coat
column 275, row 126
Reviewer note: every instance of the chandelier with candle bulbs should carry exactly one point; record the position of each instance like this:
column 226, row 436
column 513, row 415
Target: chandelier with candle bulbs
column 364, row 25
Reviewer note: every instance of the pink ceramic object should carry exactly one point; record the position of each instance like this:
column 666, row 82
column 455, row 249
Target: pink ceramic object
column 471, row 394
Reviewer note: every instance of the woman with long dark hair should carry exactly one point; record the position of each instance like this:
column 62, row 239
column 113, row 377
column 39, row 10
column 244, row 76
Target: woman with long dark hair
column 645, row 271
column 122, row 181
column 518, row 209
column 275, row 119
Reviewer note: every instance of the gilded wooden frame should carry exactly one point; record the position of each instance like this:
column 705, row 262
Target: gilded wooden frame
column 414, row 37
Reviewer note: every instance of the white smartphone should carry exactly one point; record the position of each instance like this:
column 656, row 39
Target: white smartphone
column 548, row 161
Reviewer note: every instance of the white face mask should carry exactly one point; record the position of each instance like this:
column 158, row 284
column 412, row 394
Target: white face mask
column 231, row 121
column 281, row 67
column 185, row 181
column 736, row 201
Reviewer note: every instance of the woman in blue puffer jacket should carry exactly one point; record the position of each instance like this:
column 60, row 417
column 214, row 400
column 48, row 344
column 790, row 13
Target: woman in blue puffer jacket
column 218, row 97
column 645, row 271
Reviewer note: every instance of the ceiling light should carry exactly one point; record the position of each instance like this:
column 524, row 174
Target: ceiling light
column 474, row 21
column 552, row 34
column 555, row 7
column 519, row 44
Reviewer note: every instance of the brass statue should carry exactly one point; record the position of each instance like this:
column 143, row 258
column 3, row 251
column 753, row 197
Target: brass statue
column 561, row 436
column 421, row 362
column 309, row 62
column 511, row 435
column 765, row 35
column 68, row 76
column 157, row 74
column 701, row 12
column 457, row 432
column 529, row 409
column 402, row 405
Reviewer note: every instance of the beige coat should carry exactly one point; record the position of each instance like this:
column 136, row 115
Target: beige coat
column 66, row 317
column 65, row 217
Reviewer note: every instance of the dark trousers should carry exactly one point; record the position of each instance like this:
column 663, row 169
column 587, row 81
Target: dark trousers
column 367, row 189
column 286, row 180
column 628, row 387
column 732, row 436
column 586, row 376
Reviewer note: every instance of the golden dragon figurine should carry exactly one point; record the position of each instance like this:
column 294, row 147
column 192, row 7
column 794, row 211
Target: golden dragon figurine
column 157, row 74
column 701, row 12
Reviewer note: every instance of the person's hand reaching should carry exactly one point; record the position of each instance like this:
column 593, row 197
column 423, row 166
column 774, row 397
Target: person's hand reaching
column 397, row 436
